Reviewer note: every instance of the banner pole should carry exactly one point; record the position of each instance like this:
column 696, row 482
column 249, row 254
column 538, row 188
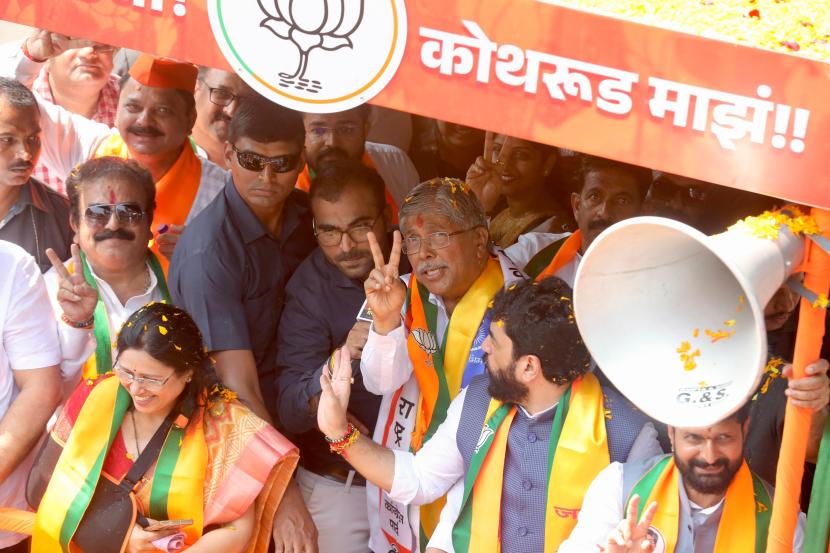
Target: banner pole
column 785, row 507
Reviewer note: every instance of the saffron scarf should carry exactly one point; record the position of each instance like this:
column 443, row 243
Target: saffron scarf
column 565, row 253
column 577, row 452
column 175, row 191
column 304, row 184
column 178, row 477
column 440, row 370
column 738, row 531
column 100, row 362
column 212, row 471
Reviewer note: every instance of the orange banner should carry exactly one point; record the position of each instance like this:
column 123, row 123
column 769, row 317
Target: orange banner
column 728, row 114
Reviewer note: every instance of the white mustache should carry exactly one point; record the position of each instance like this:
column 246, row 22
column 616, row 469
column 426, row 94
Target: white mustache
column 429, row 266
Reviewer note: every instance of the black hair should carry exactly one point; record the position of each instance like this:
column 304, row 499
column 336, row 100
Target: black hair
column 169, row 335
column 16, row 94
column 187, row 97
column 335, row 177
column 264, row 121
column 538, row 318
column 642, row 176
column 741, row 415
column 110, row 168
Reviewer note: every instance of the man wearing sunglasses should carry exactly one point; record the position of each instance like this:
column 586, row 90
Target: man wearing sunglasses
column 323, row 312
column 81, row 81
column 156, row 113
column 111, row 273
column 424, row 345
column 31, row 215
column 217, row 95
column 333, row 136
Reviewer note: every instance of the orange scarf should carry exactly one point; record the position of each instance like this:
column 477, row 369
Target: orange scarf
column 175, row 191
column 304, row 184
column 564, row 256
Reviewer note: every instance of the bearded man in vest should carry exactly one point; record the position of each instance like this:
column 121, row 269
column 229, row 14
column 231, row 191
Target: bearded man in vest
column 519, row 446
column 702, row 498
column 155, row 116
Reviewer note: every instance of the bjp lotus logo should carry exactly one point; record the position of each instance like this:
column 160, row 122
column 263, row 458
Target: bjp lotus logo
column 312, row 55
column 311, row 24
column 425, row 340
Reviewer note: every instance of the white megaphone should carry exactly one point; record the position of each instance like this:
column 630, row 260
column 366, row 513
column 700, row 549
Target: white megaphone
column 675, row 318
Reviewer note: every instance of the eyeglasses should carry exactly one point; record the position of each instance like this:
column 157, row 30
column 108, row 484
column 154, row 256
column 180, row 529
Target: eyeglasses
column 221, row 96
column 333, row 236
column 128, row 377
column 255, row 162
column 435, row 241
column 104, row 48
column 315, row 134
column 127, row 213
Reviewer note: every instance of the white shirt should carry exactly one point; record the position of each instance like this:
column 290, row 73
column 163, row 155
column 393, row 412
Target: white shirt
column 68, row 139
column 78, row 344
column 395, row 168
column 438, row 466
column 531, row 243
column 602, row 511
column 29, row 341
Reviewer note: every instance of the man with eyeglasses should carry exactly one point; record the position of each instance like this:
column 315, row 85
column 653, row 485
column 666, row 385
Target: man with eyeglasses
column 233, row 261
column 31, row 215
column 81, row 81
column 425, row 341
column 323, row 312
column 332, row 136
column 111, row 273
column 678, row 197
column 156, row 113
column 217, row 96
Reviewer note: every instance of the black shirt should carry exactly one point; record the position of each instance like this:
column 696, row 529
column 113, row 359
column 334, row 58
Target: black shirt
column 39, row 220
column 230, row 275
column 321, row 306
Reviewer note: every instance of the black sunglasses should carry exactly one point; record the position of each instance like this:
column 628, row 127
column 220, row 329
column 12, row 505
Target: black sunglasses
column 127, row 213
column 257, row 163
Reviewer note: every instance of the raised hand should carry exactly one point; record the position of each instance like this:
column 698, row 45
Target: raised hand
column 75, row 296
column 812, row 391
column 482, row 178
column 43, row 44
column 385, row 292
column 332, row 410
column 631, row 536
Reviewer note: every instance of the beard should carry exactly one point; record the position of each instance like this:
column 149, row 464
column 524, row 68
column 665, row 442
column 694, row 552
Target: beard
column 708, row 483
column 503, row 385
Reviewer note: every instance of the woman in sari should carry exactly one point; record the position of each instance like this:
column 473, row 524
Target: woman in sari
column 220, row 466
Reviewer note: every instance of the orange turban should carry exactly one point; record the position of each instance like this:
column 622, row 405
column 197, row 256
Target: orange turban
column 164, row 73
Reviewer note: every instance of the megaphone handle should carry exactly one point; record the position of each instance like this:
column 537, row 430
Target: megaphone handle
column 785, row 505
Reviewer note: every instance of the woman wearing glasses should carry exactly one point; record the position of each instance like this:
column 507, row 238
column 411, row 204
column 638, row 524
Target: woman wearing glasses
column 162, row 434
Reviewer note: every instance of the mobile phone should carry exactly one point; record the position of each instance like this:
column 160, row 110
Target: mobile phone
column 168, row 524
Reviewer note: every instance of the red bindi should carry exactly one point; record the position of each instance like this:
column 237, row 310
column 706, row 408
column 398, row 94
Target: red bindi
column 419, row 220
column 112, row 196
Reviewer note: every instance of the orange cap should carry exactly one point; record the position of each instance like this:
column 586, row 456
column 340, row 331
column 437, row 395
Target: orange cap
column 164, row 73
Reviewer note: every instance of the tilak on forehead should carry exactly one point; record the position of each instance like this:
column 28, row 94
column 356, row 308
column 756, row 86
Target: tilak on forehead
column 112, row 195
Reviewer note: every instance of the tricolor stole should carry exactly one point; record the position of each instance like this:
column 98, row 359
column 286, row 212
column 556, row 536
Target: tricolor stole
column 738, row 532
column 100, row 362
column 177, row 490
column 562, row 253
column 440, row 370
column 577, row 452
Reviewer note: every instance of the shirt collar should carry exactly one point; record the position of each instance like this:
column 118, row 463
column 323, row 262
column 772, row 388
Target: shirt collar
column 250, row 227
column 34, row 194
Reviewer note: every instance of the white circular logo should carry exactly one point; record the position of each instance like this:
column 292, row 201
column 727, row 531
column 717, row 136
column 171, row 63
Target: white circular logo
column 316, row 56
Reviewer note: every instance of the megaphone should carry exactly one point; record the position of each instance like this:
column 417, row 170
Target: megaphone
column 675, row 318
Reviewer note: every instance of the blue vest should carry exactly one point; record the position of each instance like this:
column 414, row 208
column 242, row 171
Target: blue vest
column 524, row 494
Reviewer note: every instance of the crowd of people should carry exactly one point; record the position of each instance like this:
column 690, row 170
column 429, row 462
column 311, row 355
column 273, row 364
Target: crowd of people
column 201, row 290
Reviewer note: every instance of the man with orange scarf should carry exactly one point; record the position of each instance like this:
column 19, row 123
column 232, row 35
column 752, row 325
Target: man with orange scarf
column 610, row 192
column 331, row 136
column 519, row 446
column 425, row 342
column 702, row 498
column 156, row 113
